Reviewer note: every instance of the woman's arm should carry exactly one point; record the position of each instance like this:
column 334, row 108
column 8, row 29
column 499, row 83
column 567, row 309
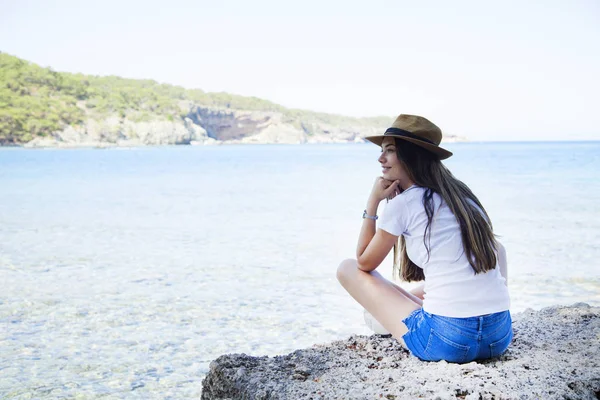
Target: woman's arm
column 373, row 246
column 419, row 291
column 368, row 227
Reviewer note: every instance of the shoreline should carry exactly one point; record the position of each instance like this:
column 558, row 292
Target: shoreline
column 106, row 145
column 210, row 142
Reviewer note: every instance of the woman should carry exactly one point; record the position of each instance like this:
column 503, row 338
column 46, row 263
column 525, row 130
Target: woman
column 441, row 234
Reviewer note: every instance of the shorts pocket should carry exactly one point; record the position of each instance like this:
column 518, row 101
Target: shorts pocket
column 500, row 346
column 440, row 348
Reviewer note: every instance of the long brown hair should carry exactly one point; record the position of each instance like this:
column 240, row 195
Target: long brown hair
column 426, row 170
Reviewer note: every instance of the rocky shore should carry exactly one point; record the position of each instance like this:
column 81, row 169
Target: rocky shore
column 211, row 126
column 555, row 355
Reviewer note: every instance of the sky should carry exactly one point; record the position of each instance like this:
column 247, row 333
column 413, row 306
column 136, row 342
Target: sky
column 502, row 70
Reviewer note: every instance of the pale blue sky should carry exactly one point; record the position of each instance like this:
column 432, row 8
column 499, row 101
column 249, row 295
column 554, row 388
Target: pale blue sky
column 504, row 70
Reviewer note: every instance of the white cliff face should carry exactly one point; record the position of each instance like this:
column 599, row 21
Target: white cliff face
column 114, row 131
column 204, row 125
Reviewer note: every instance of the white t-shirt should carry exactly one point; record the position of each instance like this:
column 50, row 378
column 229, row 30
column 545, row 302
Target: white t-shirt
column 452, row 289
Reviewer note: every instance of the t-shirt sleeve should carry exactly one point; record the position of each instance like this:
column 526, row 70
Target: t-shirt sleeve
column 395, row 216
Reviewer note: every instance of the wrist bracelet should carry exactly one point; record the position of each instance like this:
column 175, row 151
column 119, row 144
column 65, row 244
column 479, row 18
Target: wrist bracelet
column 373, row 217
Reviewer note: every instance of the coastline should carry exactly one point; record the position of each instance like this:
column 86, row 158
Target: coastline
column 49, row 144
column 137, row 144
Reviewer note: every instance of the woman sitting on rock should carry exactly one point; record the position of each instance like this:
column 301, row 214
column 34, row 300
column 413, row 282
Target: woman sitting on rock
column 441, row 234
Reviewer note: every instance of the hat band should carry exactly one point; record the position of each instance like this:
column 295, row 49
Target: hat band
column 402, row 132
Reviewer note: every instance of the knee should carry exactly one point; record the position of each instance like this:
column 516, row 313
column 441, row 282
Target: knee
column 500, row 247
column 346, row 269
column 501, row 253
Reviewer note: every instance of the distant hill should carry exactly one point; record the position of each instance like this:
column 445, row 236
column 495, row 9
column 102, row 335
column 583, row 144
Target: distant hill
column 42, row 107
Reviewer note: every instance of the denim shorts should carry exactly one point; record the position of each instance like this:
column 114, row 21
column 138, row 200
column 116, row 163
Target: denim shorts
column 432, row 337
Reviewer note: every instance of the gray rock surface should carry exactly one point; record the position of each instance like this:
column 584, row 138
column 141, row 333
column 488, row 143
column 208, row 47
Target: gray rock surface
column 555, row 355
column 211, row 125
column 115, row 131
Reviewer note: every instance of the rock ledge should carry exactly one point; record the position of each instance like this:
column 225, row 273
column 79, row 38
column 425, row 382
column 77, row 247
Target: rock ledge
column 555, row 354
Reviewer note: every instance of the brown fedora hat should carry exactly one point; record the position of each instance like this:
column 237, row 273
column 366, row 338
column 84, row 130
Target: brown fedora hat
column 417, row 130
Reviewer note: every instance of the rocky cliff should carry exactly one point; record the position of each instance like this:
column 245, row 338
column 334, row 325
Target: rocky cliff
column 206, row 125
column 203, row 126
column 555, row 355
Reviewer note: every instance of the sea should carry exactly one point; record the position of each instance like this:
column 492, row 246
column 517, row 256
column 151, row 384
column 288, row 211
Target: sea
column 125, row 271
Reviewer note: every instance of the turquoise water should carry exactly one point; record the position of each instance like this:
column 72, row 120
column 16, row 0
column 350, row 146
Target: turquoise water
column 125, row 271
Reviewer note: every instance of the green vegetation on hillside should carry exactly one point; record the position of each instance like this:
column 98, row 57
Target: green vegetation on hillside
column 36, row 101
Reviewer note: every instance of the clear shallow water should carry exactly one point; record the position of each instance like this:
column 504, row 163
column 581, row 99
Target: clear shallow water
column 125, row 272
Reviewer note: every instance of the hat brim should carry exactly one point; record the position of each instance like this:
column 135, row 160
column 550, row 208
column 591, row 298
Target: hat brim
column 437, row 150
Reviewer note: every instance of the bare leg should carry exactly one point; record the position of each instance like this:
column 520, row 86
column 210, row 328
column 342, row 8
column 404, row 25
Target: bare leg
column 416, row 294
column 388, row 303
